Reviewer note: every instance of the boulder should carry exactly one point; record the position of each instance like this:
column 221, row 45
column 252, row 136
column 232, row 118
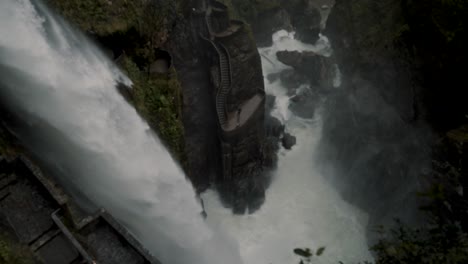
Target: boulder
column 303, row 104
column 273, row 126
column 291, row 79
column 288, row 141
column 306, row 21
column 309, row 65
column 268, row 22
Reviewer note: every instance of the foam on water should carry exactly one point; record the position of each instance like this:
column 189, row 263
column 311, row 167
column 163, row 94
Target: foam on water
column 64, row 90
column 301, row 208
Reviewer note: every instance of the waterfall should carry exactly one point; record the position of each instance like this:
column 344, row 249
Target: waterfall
column 301, row 209
column 61, row 90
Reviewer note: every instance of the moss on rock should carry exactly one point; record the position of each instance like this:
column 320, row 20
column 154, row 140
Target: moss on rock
column 99, row 16
column 7, row 146
column 158, row 100
column 137, row 29
column 14, row 253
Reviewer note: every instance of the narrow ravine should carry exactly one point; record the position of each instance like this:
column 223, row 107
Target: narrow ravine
column 301, row 209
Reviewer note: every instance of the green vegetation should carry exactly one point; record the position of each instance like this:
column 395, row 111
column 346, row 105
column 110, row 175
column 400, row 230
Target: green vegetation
column 443, row 240
column 105, row 17
column 13, row 253
column 6, row 143
column 158, row 99
column 137, row 29
column 102, row 17
column 305, row 254
column 438, row 243
column 448, row 16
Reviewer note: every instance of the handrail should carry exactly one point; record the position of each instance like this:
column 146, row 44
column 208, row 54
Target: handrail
column 71, row 238
column 208, row 22
column 225, row 81
column 229, row 65
column 223, row 89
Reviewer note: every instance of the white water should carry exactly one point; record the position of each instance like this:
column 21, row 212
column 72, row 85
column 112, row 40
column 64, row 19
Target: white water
column 301, row 208
column 57, row 77
column 54, row 78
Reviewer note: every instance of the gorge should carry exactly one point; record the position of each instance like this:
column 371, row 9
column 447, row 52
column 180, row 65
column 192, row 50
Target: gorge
column 236, row 131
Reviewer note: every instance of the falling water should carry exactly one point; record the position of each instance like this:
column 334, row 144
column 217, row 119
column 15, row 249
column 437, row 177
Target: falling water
column 62, row 89
column 301, row 208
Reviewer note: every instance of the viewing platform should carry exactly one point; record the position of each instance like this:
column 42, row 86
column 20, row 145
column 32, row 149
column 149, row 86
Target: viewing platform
column 36, row 212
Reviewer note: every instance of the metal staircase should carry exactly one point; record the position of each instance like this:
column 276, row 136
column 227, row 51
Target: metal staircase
column 225, row 81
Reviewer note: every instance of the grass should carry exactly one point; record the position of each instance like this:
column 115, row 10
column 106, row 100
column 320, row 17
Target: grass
column 6, row 143
column 102, row 17
column 14, row 253
column 139, row 28
column 158, row 100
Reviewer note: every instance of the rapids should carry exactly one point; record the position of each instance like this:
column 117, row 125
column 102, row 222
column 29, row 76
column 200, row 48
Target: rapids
column 61, row 90
column 301, row 208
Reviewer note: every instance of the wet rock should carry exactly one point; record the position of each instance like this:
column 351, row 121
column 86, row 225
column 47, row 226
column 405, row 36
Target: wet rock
column 306, row 63
column 288, row 141
column 303, row 104
column 269, row 22
column 291, row 79
column 125, row 91
column 270, row 150
column 306, row 22
column 290, row 58
column 273, row 77
column 273, row 131
column 159, row 66
column 269, row 103
column 450, row 169
column 298, row 59
column 273, row 126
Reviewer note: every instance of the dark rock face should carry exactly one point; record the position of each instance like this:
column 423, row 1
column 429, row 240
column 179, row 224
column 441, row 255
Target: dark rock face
column 226, row 59
column 246, row 186
column 289, row 78
column 243, row 187
column 395, row 57
column 199, row 117
column 266, row 17
column 437, row 32
column 450, row 170
column 247, row 78
column 273, row 126
column 304, row 103
column 274, row 129
column 270, row 21
column 374, row 137
column 307, row 65
column 306, row 21
column 292, row 80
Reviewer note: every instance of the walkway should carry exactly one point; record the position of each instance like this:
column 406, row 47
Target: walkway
column 229, row 31
column 239, row 118
column 233, row 120
column 225, row 81
column 41, row 216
